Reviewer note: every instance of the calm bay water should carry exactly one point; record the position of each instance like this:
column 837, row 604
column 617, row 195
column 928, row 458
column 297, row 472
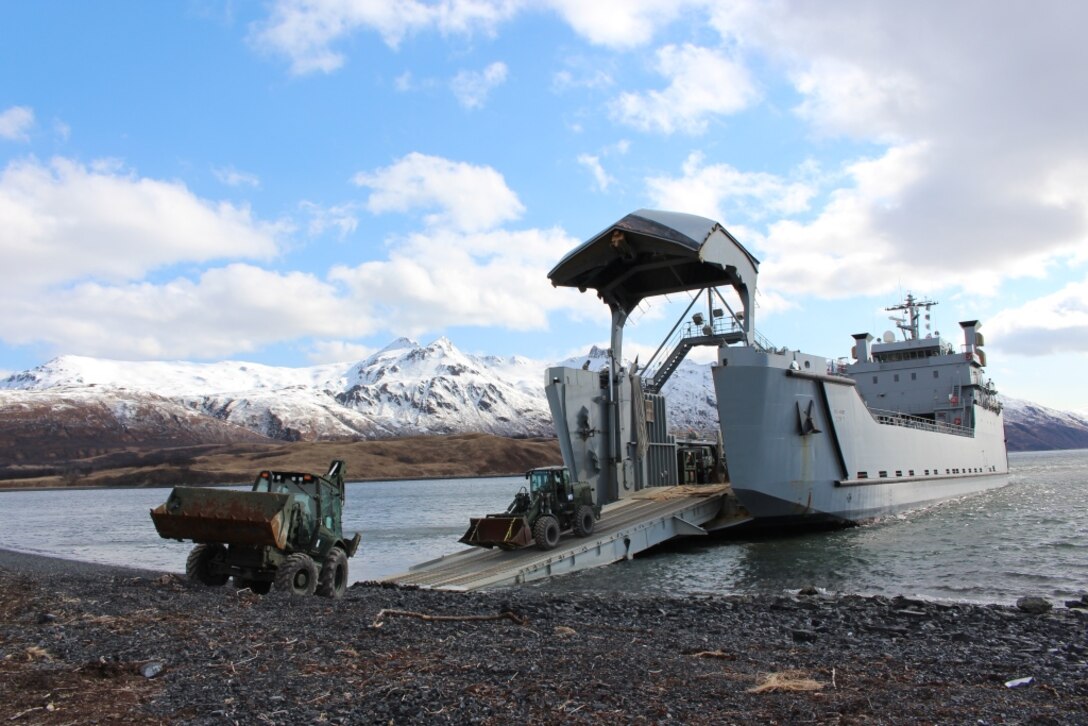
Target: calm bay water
column 1028, row 538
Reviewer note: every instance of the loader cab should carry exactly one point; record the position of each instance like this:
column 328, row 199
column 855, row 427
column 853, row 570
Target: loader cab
column 551, row 483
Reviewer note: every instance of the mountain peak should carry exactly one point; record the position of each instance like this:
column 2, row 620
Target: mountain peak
column 400, row 344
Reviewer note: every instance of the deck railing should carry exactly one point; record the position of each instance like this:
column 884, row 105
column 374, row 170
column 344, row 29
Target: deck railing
column 895, row 418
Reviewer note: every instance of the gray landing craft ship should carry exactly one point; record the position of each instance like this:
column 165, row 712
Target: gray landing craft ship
column 808, row 440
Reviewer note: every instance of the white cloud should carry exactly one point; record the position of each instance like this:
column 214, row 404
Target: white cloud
column 1053, row 324
column 703, row 82
column 721, row 192
column 593, row 79
column 233, row 178
column 984, row 176
column 305, row 30
column 446, row 278
column 232, row 309
column 340, row 217
column 16, row 122
column 63, row 221
column 473, row 87
column 600, row 176
column 467, row 197
column 619, row 23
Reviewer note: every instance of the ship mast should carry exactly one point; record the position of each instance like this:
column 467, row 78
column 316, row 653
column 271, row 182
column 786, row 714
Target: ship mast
column 908, row 324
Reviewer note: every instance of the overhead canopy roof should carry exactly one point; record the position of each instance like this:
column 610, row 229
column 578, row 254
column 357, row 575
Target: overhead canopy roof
column 650, row 252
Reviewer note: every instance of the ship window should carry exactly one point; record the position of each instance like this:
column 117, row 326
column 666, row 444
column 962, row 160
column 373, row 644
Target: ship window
column 808, row 364
column 883, row 475
column 895, row 378
column 946, row 471
column 927, row 472
column 863, row 475
column 914, row 376
column 936, row 374
column 874, row 379
column 911, row 472
column 899, row 473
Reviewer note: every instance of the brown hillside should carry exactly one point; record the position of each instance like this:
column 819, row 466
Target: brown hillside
column 404, row 458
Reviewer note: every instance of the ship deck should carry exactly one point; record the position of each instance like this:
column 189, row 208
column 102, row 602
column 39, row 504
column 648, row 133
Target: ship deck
column 626, row 527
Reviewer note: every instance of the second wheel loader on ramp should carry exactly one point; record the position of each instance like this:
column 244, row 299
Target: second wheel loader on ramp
column 552, row 504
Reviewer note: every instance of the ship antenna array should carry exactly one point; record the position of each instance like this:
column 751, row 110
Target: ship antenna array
column 909, row 322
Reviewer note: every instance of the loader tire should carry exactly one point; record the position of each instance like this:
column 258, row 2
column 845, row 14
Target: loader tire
column 297, row 575
column 333, row 581
column 584, row 520
column 546, row 532
column 198, row 565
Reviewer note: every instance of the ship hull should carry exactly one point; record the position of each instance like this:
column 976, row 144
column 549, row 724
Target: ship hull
column 803, row 448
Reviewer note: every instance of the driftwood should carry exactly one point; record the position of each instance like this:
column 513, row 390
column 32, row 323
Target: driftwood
column 786, row 681
column 714, row 654
column 379, row 619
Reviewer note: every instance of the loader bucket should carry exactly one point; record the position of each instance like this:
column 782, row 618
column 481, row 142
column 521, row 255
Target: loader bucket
column 498, row 531
column 221, row 515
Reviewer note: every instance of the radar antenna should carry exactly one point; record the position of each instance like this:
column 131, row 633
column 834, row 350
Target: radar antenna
column 908, row 323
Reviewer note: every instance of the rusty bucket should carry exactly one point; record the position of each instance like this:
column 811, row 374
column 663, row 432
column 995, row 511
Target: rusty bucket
column 498, row 530
column 221, row 515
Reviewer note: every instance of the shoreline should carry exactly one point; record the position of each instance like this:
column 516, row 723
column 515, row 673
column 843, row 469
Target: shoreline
column 85, row 642
column 4, row 488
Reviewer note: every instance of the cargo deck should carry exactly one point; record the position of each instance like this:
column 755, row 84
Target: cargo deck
column 626, row 527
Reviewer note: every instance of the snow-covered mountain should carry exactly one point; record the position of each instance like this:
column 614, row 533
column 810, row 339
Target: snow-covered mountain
column 1031, row 427
column 405, row 389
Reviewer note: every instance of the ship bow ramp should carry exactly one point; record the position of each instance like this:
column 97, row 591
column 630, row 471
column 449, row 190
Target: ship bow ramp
column 611, row 424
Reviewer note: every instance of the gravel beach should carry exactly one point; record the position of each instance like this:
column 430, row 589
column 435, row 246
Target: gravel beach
column 82, row 643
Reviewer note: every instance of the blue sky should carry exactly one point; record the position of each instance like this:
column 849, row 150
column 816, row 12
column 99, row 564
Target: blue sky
column 301, row 181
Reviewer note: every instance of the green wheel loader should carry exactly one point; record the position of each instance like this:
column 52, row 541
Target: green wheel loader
column 552, row 504
column 285, row 532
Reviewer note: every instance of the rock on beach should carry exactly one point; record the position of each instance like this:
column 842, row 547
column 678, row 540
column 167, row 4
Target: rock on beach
column 129, row 646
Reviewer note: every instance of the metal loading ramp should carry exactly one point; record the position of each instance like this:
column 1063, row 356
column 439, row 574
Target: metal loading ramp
column 626, row 528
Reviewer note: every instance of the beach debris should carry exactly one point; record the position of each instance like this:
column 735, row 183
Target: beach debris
column 46, row 618
column 1019, row 682
column 562, row 631
column 152, row 668
column 1033, row 605
column 714, row 654
column 34, row 652
column 379, row 619
column 786, row 681
column 808, row 591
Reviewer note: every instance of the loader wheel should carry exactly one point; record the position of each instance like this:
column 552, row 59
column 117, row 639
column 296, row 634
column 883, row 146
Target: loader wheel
column 297, row 575
column 546, row 532
column 198, row 567
column 333, row 581
column 584, row 521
